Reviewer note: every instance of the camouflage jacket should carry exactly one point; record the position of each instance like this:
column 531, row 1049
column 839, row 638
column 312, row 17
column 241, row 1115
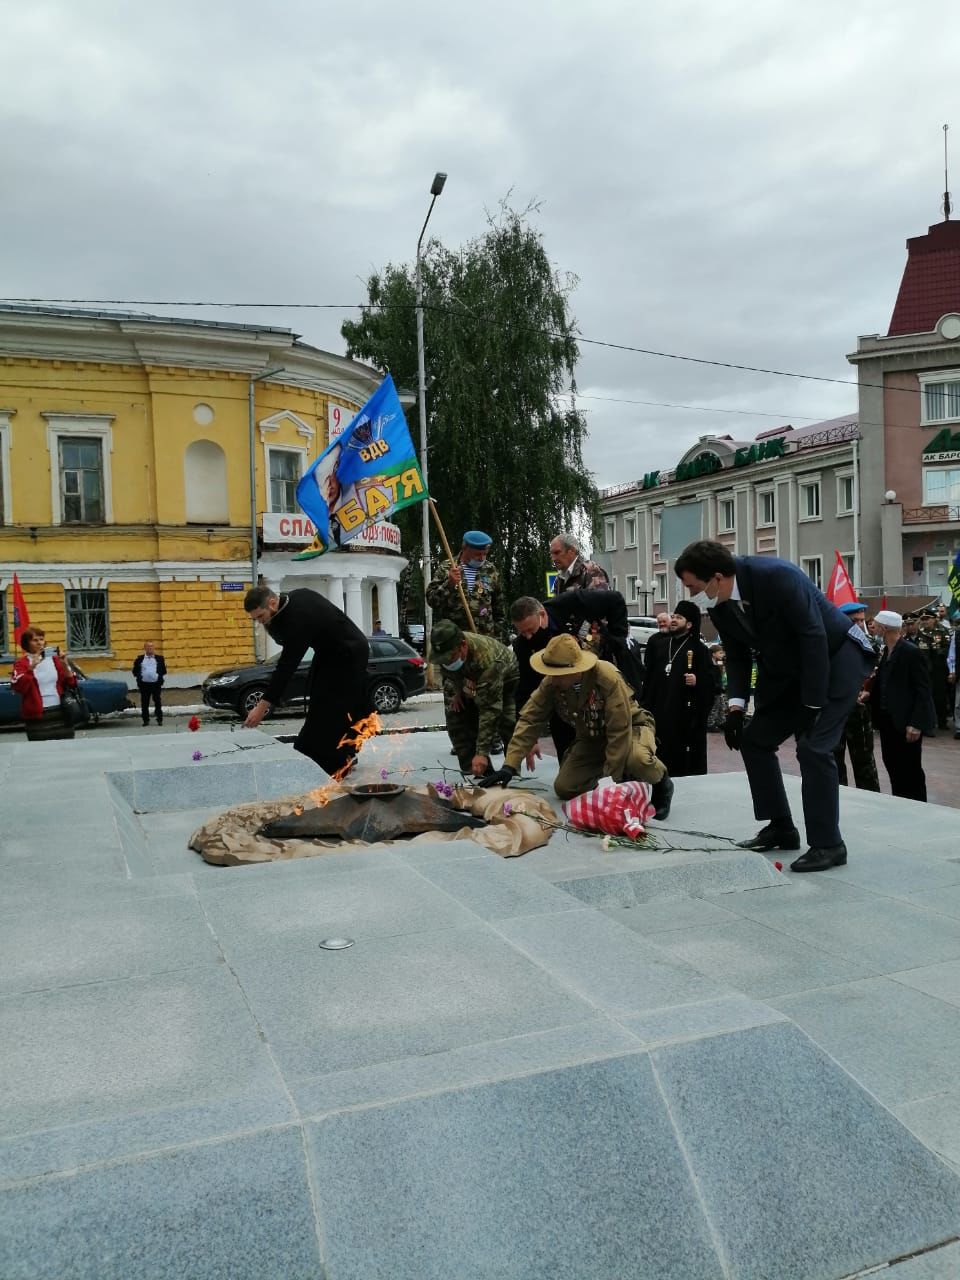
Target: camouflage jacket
column 582, row 574
column 484, row 597
column 602, row 710
column 488, row 678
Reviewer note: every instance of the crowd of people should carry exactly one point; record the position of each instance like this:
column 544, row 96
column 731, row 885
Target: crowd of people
column 786, row 663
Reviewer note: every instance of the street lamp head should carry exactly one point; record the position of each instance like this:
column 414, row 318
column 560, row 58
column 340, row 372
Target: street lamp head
column 437, row 185
column 890, row 495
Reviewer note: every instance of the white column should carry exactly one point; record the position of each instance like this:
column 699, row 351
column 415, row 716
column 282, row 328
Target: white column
column 334, row 591
column 387, row 595
column 793, row 519
column 354, row 601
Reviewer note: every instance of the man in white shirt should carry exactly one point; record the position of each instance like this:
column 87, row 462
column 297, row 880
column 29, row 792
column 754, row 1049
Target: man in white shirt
column 149, row 670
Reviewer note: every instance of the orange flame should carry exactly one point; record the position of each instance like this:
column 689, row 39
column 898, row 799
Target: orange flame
column 358, row 733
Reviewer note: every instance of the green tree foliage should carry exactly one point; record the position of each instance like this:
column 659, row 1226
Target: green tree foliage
column 500, row 346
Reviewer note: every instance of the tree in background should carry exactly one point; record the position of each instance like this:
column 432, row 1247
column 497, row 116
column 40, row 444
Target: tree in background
column 503, row 456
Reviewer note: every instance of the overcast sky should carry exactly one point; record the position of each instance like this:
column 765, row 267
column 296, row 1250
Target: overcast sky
column 726, row 180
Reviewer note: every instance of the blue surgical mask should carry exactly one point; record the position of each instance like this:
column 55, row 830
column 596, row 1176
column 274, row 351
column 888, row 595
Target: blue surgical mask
column 452, row 666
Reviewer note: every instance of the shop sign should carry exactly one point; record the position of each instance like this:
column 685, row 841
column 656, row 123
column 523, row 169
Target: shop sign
column 759, row 452
column 944, row 447
column 704, row 464
column 297, row 530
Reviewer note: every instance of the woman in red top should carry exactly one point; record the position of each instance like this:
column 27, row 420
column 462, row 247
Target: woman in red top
column 40, row 678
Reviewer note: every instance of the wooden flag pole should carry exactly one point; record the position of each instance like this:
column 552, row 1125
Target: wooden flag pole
column 446, row 547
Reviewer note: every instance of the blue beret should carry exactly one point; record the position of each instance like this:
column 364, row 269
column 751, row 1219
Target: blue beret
column 477, row 539
column 853, row 607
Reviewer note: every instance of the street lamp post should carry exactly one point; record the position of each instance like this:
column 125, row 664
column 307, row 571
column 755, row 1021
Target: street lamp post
column 251, row 449
column 435, row 188
column 645, row 592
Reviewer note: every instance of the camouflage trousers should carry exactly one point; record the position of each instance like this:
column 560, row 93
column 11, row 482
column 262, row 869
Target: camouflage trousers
column 463, row 726
column 584, row 760
column 857, row 738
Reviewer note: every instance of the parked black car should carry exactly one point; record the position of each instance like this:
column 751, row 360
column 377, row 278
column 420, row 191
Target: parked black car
column 394, row 672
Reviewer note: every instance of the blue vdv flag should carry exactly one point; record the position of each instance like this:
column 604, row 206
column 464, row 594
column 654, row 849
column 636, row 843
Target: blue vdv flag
column 363, row 476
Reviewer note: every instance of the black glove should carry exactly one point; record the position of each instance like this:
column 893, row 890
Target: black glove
column 499, row 778
column 733, row 729
column 806, row 719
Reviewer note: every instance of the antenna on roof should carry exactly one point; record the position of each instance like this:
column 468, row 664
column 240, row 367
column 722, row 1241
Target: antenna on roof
column 946, row 177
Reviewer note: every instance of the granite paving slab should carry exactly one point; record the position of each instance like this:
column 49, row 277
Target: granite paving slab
column 610, row 966
column 938, row 1264
column 388, row 998
column 759, row 961
column 940, row 980
column 473, row 1064
column 496, row 888
column 702, row 1018
column 119, row 937
column 673, row 876
column 877, row 1192
column 946, row 899
column 250, row 917
column 234, row 1210
column 936, row 1122
column 900, row 1044
column 102, row 1070
column 536, row 1182
column 665, row 915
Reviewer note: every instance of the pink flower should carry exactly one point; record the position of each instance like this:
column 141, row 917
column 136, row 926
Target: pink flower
column 198, row 755
column 507, row 809
column 383, row 774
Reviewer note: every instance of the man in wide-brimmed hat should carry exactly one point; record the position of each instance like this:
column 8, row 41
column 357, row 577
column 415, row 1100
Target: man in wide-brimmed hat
column 614, row 735
column 480, row 678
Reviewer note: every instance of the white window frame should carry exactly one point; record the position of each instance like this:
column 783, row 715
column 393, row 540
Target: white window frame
column 631, row 592
column 761, row 494
column 655, row 526
column 809, row 482
column 61, row 426
column 946, row 375
column 810, row 560
column 610, row 533
column 280, row 448
column 629, row 541
column 849, row 559
column 6, row 492
column 938, row 502
column 722, row 500
column 841, row 478
column 660, row 580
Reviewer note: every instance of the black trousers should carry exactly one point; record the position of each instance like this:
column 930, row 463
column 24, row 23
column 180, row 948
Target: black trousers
column 774, row 722
column 148, row 691
column 902, row 760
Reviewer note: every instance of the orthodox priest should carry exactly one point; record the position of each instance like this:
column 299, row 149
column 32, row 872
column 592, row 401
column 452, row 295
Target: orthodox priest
column 337, row 686
column 678, row 691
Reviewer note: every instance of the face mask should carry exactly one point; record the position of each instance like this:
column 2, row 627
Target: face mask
column 452, row 666
column 703, row 601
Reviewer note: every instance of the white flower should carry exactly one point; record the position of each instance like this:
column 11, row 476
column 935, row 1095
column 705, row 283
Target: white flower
column 606, row 844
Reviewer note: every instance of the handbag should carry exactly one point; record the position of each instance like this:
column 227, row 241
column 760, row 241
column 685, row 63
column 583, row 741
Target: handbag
column 76, row 709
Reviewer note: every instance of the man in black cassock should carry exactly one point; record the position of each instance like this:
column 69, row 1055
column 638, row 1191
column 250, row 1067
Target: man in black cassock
column 678, row 691
column 337, row 686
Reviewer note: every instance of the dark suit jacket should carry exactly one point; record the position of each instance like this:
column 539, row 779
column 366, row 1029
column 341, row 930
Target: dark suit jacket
column 902, row 688
column 161, row 668
column 792, row 628
column 340, row 649
column 568, row 612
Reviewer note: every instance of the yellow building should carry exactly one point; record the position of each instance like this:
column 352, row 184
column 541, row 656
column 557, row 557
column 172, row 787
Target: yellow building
column 127, row 444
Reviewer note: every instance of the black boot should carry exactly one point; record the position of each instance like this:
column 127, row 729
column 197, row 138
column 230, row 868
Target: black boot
column 661, row 797
column 780, row 834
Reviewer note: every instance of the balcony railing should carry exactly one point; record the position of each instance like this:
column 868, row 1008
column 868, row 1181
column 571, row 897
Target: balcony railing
column 930, row 515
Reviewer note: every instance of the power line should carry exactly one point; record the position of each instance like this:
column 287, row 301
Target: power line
column 373, row 306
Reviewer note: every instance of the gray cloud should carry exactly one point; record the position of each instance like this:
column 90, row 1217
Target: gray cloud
column 730, row 183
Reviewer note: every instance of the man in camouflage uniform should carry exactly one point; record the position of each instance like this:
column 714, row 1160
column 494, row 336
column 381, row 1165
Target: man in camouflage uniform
column 857, row 736
column 934, row 642
column 573, row 570
column 614, row 735
column 481, row 586
column 480, row 677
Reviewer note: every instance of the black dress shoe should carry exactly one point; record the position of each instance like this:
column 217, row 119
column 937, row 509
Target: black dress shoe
column 821, row 859
column 772, row 837
column 661, row 797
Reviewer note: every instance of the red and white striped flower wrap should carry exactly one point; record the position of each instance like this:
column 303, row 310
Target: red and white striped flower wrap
column 620, row 810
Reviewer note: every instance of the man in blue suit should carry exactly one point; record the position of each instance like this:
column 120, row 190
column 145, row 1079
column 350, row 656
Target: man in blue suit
column 811, row 664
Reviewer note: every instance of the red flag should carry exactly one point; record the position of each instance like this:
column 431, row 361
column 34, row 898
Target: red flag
column 883, row 602
column 21, row 615
column 840, row 588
